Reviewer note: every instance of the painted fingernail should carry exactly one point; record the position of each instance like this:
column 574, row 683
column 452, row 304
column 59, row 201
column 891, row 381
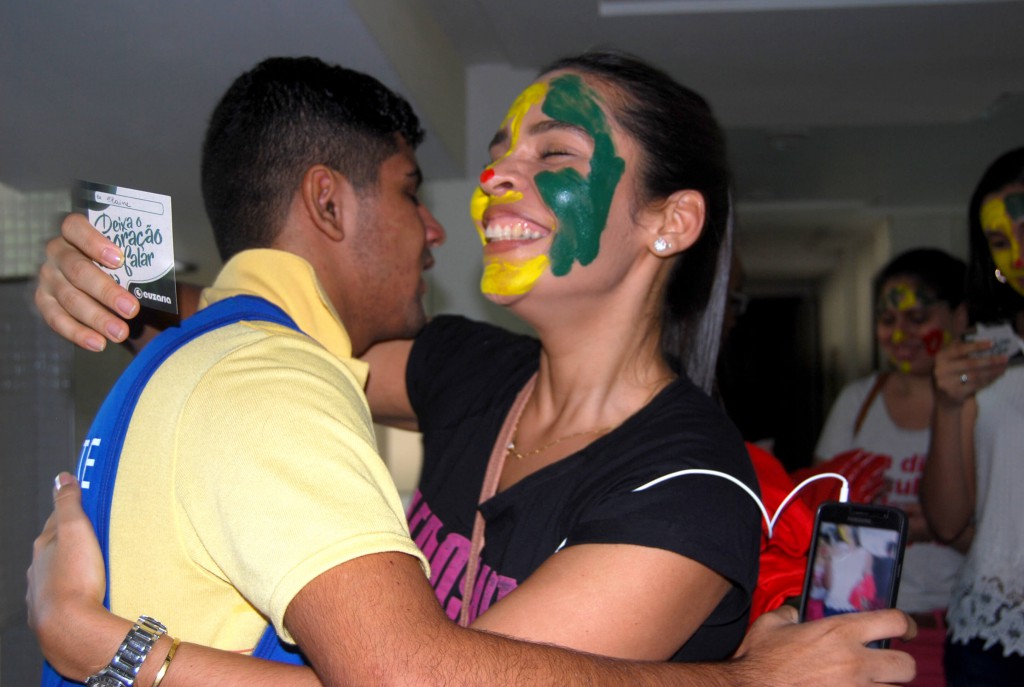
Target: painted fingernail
column 126, row 306
column 111, row 257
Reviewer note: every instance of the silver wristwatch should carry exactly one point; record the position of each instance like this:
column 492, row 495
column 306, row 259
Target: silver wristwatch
column 124, row 667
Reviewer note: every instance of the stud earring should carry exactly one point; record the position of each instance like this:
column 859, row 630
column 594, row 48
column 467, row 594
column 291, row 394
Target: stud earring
column 661, row 245
column 1000, row 277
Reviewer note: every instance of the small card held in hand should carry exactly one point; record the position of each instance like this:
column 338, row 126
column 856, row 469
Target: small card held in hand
column 1004, row 340
column 139, row 223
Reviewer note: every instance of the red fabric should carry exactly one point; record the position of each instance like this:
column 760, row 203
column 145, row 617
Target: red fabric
column 783, row 557
column 865, row 471
column 862, row 597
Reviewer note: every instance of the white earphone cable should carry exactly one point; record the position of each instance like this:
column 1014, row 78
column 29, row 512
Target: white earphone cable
column 844, row 491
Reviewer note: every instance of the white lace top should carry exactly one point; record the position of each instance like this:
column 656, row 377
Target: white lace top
column 988, row 596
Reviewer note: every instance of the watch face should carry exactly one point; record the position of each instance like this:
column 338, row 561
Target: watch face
column 103, row 681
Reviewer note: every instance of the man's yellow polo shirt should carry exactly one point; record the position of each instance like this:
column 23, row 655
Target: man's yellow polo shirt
column 249, row 468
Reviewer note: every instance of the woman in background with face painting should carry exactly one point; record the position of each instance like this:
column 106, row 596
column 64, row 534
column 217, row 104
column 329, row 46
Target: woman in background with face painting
column 971, row 489
column 918, row 307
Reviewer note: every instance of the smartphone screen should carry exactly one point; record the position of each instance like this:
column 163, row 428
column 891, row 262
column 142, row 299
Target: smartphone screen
column 855, row 560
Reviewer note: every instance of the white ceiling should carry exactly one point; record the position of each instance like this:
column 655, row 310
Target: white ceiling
column 933, row 63
column 841, row 115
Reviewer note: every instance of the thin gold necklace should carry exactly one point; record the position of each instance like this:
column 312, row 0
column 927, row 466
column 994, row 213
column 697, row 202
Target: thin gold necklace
column 601, row 430
column 519, row 456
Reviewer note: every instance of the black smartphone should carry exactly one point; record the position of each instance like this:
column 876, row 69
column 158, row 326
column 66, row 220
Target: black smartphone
column 855, row 560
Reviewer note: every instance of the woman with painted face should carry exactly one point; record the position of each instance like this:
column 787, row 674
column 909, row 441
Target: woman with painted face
column 606, row 230
column 971, row 488
column 919, row 306
column 550, row 505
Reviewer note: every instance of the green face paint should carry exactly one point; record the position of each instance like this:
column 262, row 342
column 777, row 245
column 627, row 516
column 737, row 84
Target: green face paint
column 580, row 204
column 904, row 297
column 1015, row 206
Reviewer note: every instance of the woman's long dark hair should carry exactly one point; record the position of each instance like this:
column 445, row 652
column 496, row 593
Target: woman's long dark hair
column 683, row 148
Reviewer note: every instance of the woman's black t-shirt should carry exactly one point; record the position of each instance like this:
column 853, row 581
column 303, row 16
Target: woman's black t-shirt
column 463, row 377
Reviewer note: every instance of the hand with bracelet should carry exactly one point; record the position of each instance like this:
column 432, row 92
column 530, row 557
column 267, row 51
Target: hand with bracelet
column 76, row 633
column 74, row 574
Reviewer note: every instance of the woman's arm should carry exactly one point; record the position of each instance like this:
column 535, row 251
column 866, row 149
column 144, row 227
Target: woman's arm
column 947, row 484
column 78, row 636
column 619, row 600
column 83, row 304
column 66, row 581
column 385, row 388
column 587, row 597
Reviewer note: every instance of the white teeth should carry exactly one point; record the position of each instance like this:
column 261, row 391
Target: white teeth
column 511, row 232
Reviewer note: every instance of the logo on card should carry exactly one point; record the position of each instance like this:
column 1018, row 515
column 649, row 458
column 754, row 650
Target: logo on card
column 146, row 295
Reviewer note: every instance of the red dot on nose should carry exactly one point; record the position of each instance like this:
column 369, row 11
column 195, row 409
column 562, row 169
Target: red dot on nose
column 486, row 175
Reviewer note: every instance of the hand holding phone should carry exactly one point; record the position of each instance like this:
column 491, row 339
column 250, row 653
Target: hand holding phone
column 855, row 560
column 1004, row 340
column 963, row 368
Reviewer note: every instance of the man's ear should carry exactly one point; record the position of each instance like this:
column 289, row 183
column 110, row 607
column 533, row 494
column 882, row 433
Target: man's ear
column 680, row 222
column 324, row 192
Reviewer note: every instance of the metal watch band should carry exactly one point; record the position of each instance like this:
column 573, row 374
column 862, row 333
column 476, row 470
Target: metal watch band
column 125, row 664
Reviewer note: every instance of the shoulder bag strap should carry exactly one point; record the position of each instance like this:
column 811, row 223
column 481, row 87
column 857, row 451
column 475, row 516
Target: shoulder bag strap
column 868, row 400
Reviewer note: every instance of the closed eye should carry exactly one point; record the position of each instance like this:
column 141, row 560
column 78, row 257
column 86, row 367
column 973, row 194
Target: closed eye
column 554, row 153
column 997, row 240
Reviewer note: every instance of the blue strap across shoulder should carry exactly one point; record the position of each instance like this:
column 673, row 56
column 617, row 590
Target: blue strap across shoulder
column 101, row 451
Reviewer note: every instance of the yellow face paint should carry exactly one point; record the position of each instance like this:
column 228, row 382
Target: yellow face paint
column 481, row 201
column 507, row 278
column 898, row 336
column 997, row 219
column 907, row 298
column 903, row 297
column 533, row 95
